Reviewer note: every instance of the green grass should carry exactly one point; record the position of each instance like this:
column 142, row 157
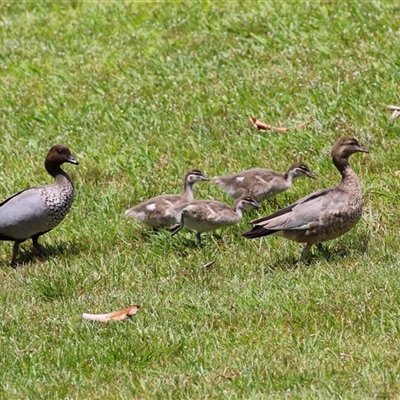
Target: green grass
column 141, row 92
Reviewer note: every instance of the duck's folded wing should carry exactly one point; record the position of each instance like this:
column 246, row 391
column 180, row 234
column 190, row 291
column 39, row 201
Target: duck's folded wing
column 305, row 213
column 204, row 210
column 23, row 214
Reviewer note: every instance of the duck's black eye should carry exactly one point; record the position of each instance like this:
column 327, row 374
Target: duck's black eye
column 59, row 151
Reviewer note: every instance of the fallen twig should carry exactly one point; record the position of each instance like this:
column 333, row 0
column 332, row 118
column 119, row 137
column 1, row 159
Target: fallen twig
column 303, row 124
column 119, row 315
column 229, row 377
column 31, row 350
column 262, row 126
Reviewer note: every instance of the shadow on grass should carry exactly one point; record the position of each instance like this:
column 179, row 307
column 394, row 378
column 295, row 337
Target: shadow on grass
column 207, row 239
column 329, row 254
column 184, row 245
column 149, row 233
column 28, row 254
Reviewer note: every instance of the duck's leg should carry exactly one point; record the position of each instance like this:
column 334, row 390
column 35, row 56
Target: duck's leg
column 40, row 249
column 305, row 252
column 198, row 237
column 15, row 253
column 175, row 229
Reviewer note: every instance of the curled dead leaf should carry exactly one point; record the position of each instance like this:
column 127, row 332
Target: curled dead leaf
column 395, row 113
column 208, row 265
column 262, row 126
column 119, row 315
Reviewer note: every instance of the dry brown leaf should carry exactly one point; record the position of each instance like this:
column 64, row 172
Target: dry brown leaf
column 262, row 126
column 119, row 315
column 235, row 375
column 397, row 173
column 31, row 350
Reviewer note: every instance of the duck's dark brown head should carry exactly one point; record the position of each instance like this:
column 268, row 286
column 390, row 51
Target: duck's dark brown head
column 57, row 156
column 345, row 147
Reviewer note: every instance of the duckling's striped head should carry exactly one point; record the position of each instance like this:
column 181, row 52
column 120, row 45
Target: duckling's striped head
column 300, row 169
column 245, row 202
column 195, row 175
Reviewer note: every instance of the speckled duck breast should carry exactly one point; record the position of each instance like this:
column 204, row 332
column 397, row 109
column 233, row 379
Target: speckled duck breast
column 57, row 198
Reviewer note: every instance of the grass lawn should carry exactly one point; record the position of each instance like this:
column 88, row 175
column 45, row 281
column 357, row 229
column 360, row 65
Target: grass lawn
column 142, row 92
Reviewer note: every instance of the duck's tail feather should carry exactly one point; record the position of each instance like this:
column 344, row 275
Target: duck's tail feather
column 257, row 231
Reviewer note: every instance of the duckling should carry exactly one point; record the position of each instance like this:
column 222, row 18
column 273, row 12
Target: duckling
column 323, row 215
column 209, row 215
column 35, row 211
column 158, row 212
column 260, row 183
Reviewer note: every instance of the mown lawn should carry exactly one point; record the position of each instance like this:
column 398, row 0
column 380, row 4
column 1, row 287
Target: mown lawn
column 141, row 92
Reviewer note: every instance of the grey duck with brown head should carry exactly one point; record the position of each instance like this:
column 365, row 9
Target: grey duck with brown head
column 35, row 211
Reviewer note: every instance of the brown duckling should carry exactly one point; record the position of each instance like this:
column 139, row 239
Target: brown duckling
column 159, row 212
column 260, row 183
column 209, row 215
